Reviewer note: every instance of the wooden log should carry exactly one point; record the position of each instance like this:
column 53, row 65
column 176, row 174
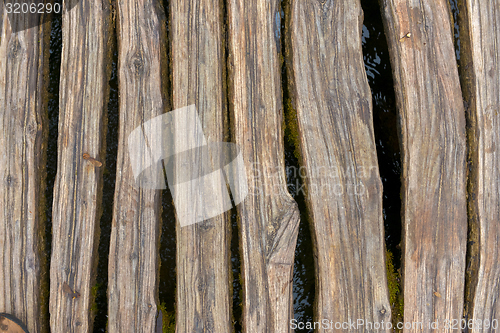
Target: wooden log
column 432, row 132
column 134, row 244
column 269, row 217
column 332, row 104
column 204, row 299
column 480, row 67
column 23, row 122
column 85, row 71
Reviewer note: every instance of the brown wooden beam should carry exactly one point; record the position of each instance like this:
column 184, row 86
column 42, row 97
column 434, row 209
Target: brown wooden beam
column 23, row 143
column 204, row 299
column 269, row 217
column 135, row 236
column 479, row 69
column 331, row 111
column 432, row 132
column 83, row 97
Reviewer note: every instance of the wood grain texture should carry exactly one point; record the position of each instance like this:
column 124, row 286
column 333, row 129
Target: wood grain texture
column 83, row 97
column 23, row 141
column 333, row 105
column 269, row 217
column 480, row 69
column 134, row 244
column 432, row 124
column 78, row 185
column 204, row 300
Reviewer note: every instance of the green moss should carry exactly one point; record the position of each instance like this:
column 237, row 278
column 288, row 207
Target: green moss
column 292, row 128
column 168, row 319
column 394, row 286
column 93, row 297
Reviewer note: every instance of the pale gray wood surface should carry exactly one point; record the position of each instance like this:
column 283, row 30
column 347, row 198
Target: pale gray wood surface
column 480, row 69
column 76, row 211
column 432, row 136
column 269, row 217
column 23, row 142
column 333, row 108
column 204, row 299
column 134, row 244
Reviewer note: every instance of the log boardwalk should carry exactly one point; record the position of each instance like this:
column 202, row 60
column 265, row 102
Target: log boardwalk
column 195, row 75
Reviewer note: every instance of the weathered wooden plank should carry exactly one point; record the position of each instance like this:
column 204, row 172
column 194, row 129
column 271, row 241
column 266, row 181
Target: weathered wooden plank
column 133, row 253
column 85, row 70
column 23, row 140
column 333, row 105
column 3, row 17
column 198, row 67
column 268, row 217
column 432, row 123
column 480, row 68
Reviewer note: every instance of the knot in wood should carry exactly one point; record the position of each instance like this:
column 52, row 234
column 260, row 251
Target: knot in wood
column 206, row 225
column 10, row 181
column 326, row 6
column 137, row 64
column 30, row 264
column 15, row 49
column 32, row 129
